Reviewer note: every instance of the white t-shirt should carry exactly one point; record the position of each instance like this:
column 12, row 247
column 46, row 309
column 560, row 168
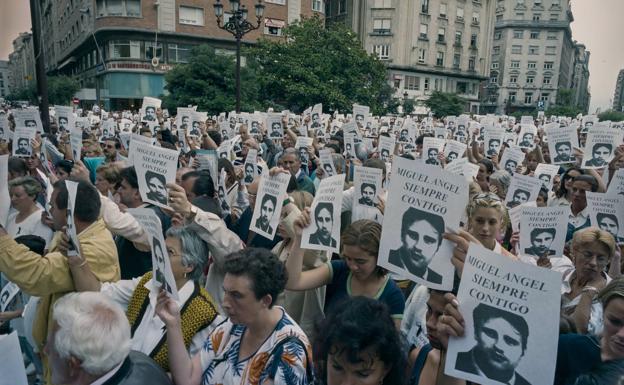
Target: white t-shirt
column 32, row 225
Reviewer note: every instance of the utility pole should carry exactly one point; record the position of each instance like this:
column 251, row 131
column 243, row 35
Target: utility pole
column 42, row 80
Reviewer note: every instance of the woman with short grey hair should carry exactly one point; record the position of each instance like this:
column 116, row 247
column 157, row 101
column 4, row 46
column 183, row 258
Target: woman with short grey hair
column 187, row 254
column 26, row 219
column 500, row 180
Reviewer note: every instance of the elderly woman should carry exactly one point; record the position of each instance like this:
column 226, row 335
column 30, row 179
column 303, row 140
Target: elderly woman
column 258, row 344
column 26, row 219
column 187, row 255
column 591, row 251
column 107, row 179
column 499, row 183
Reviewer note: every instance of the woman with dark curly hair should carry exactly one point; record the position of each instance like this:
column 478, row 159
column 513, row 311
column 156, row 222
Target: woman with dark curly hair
column 358, row 344
column 258, row 344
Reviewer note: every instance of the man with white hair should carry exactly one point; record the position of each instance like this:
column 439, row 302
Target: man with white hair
column 90, row 344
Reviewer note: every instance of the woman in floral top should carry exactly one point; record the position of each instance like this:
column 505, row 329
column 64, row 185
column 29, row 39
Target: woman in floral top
column 258, row 344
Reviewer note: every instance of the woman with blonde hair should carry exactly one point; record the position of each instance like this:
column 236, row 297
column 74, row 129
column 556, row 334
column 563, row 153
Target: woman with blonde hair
column 107, row 179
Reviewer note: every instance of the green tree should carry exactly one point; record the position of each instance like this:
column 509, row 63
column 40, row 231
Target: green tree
column 614, row 116
column 28, row 93
column 444, row 104
column 61, row 89
column 207, row 81
column 565, row 105
column 314, row 64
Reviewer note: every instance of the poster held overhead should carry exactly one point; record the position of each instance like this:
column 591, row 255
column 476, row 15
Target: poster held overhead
column 367, row 183
column 546, row 173
column 250, row 167
column 155, row 167
column 543, row 231
column 522, row 189
column 268, row 208
column 606, row 212
column 327, row 163
column 73, row 248
column 600, row 145
column 324, row 232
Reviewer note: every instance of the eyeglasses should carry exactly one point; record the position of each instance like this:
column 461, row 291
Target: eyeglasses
column 490, row 196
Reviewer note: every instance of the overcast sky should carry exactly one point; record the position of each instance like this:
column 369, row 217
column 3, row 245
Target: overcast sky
column 595, row 25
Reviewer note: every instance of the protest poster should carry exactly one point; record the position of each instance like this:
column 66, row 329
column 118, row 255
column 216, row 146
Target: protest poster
column 327, row 162
column 404, row 132
column 546, row 173
column 29, row 118
column 430, row 150
column 463, row 167
column 561, row 141
column 511, row 159
column 527, row 136
column 616, row 186
column 386, row 147
column 366, row 186
column 65, row 119
column 224, row 129
column 454, row 150
column 274, row 126
column 149, row 108
column 587, row 123
column 226, row 199
column 316, row 117
column 543, row 231
column 8, row 292
column 255, row 125
column 5, row 200
column 607, row 212
column 155, row 167
column 510, row 138
column 11, row 361
column 324, row 232
column 108, row 128
column 349, row 145
column 600, row 145
column 360, row 113
column 493, row 138
column 75, row 140
column 197, row 119
column 302, row 145
column 428, row 200
column 183, row 118
column 22, row 139
column 514, row 215
column 522, row 189
column 268, row 207
column 209, row 160
column 74, row 245
column 440, row 132
column 82, row 123
column 162, row 275
column 250, row 167
column 125, row 125
column 510, row 301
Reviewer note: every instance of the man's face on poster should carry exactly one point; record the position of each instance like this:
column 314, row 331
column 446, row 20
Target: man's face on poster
column 588, row 125
column 510, row 166
column 563, row 150
column 158, row 254
column 528, row 137
column 610, row 225
column 249, row 171
column 452, row 156
column 30, row 124
column 545, row 178
column 601, row 153
column 157, row 188
column 62, row 121
column 493, row 146
column 499, row 345
column 328, row 169
column 150, row 113
column 421, row 241
column 316, row 119
column 324, row 223
column 275, row 127
column 541, row 242
column 22, row 144
column 403, row 134
column 385, row 154
column 359, row 119
column 267, row 210
column 520, row 197
column 432, row 154
column 195, row 125
column 221, row 193
column 254, row 126
column 368, row 195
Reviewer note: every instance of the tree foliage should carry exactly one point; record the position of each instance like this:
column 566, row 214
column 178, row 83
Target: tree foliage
column 208, row 81
column 314, row 64
column 61, row 89
column 565, row 105
column 614, row 116
column 444, row 104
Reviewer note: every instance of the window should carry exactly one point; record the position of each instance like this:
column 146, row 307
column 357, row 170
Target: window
column 191, row 15
column 456, row 60
column 494, row 79
column 273, row 27
column 383, row 3
column 460, row 14
column 547, row 79
column 530, row 79
column 179, row 53
column 381, row 26
column 531, row 65
column 544, row 97
column 423, row 31
column 495, row 65
column 499, row 18
column 426, row 85
column 475, row 17
column 441, row 33
column 534, row 35
column 152, row 50
column 528, row 98
column 512, row 97
column 515, row 64
column 473, row 40
column 458, row 37
column 125, row 49
column 412, row 83
column 440, row 59
column 518, row 34
column 513, row 79
column 317, row 5
column 424, row 6
column 548, row 65
column 382, row 51
column 496, row 50
column 554, row 17
column 537, row 17
column 537, row 3
column 342, row 6
column 517, row 49
column 551, row 50
column 497, row 35
column 462, row 87
column 437, row 84
column 443, row 10
column 471, row 63
column 533, row 50
column 422, row 55
column 551, row 36
column 127, row 8
column 519, row 15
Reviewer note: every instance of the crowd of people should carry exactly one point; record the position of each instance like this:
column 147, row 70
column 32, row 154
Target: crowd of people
column 251, row 309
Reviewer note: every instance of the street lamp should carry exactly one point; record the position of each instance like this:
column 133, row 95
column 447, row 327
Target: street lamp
column 238, row 26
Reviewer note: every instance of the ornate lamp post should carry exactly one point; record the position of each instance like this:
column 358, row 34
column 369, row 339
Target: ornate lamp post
column 238, row 26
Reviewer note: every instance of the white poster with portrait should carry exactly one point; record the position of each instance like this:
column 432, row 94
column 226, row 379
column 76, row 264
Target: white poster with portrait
column 587, row 123
column 327, row 162
column 360, row 114
column 454, row 150
column 423, row 201
column 268, row 207
column 209, row 160
column 546, row 173
column 526, row 138
column 302, row 145
column 509, row 301
column 155, row 167
column 464, row 168
column 324, row 231
column 493, row 140
column 386, row 147
column 511, row 159
column 367, row 186
column 75, row 139
column 197, row 120
column 162, row 274
column 22, row 141
column 274, row 126
column 522, row 189
column 349, row 145
column 561, row 142
column 543, row 231
column 250, row 169
column 29, row 118
column 616, row 186
column 510, row 138
column 8, row 292
column 606, row 212
column 183, row 118
column 431, row 148
column 148, row 109
column 316, row 118
column 74, row 245
column 65, row 119
column 600, row 146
